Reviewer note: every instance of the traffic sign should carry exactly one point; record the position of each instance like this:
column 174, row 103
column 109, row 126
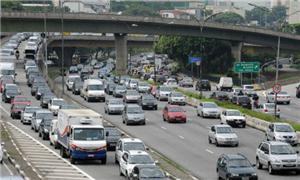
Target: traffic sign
column 246, row 67
column 276, row 88
column 194, row 59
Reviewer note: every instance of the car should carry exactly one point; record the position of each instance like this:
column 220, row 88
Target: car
column 29, row 63
column 171, row 82
column 71, row 79
column 44, row 128
column 282, row 132
column 79, row 67
column 12, row 86
column 41, row 90
column 53, row 134
column 277, row 156
column 233, row 118
column 143, row 172
column 243, row 101
column 236, row 91
column 97, row 66
column 54, row 105
column 113, row 137
column 132, row 84
column 131, row 96
column 248, row 87
column 1, row 152
column 77, row 85
column 109, row 89
column 174, row 113
column 208, row 109
column 298, row 91
column 163, row 92
column 26, row 115
column 176, row 98
column 93, row 89
column 269, row 108
column 220, row 96
column 133, row 114
column 84, row 74
column 203, row 84
column 143, row 87
column 35, row 86
column 45, row 99
column 21, row 99
column 73, row 70
column 282, row 97
column 32, row 76
column 132, row 158
column 186, row 82
column 222, row 135
column 127, row 144
column 119, row 91
column 3, row 83
column 114, row 105
column 235, row 166
column 9, row 94
column 16, row 110
column 225, row 83
column 147, row 101
column 37, row 118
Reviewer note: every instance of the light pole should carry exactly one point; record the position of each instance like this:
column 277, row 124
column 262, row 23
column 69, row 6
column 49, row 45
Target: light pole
column 45, row 40
column 62, row 47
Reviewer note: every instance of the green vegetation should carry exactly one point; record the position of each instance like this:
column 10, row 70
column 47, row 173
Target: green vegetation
column 229, row 18
column 228, row 105
column 54, row 72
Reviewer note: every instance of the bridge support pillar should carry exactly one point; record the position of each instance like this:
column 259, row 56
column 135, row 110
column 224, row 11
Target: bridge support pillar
column 68, row 55
column 236, row 50
column 121, row 53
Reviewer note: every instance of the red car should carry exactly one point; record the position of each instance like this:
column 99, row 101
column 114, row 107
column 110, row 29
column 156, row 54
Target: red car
column 21, row 99
column 174, row 113
column 3, row 82
column 16, row 110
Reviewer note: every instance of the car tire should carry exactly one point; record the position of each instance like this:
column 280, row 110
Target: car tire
column 120, row 172
column 103, row 160
column 209, row 141
column 270, row 169
column 288, row 102
column 72, row 160
column 258, row 164
column 216, row 142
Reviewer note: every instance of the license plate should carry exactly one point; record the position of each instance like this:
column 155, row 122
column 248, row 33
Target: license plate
column 245, row 178
column 178, row 119
column 91, row 155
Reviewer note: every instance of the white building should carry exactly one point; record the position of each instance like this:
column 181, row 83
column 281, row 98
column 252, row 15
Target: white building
column 294, row 11
column 85, row 6
column 226, row 6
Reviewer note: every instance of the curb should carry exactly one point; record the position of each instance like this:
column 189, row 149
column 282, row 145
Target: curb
column 16, row 165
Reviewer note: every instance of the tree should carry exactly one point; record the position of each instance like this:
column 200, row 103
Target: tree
column 257, row 14
column 140, row 10
column 11, row 5
column 229, row 17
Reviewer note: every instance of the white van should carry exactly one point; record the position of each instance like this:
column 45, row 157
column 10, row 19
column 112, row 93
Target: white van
column 7, row 68
column 53, row 133
column 225, row 83
column 93, row 89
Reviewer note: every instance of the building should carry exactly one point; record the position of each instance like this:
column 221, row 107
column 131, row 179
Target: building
column 178, row 14
column 85, row 6
column 225, row 6
column 279, row 3
column 293, row 12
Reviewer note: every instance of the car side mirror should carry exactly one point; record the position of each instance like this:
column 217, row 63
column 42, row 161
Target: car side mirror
column 147, row 149
column 107, row 133
column 297, row 152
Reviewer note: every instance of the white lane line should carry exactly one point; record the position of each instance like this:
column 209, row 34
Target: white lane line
column 181, row 137
column 164, row 128
column 10, row 172
column 209, row 151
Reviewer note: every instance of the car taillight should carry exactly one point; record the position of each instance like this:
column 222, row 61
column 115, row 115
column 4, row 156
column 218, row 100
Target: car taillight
column 278, row 109
column 266, row 110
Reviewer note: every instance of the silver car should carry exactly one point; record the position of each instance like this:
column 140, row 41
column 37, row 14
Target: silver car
column 282, row 132
column 143, row 87
column 163, row 92
column 131, row 96
column 222, row 135
column 37, row 118
column 27, row 114
column 133, row 114
column 208, row 109
column 114, row 106
column 277, row 156
column 282, row 97
column 119, row 91
column 176, row 98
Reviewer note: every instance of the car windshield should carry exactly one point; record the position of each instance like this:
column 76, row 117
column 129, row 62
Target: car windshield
column 283, row 93
column 165, row 89
column 233, row 113
column 134, row 110
column 31, row 109
column 283, row 128
column 224, row 130
column 7, row 72
column 44, row 115
column 12, row 92
column 282, row 149
column 113, row 132
column 96, row 87
column 88, row 134
column 58, row 102
column 116, row 101
column 239, row 163
column 132, row 93
column 140, row 159
column 133, row 81
column 151, row 173
column 175, row 109
column 22, row 99
column 11, row 87
column 134, row 146
column 209, row 105
column 177, row 95
column 20, row 106
column 249, row 87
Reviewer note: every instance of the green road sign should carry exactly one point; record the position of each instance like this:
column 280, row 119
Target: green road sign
column 246, row 67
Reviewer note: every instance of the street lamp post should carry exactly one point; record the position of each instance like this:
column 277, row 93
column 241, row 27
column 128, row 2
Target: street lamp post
column 62, row 47
column 45, row 40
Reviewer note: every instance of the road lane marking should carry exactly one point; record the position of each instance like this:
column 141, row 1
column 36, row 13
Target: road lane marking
column 209, row 151
column 164, row 128
column 10, row 172
column 181, row 137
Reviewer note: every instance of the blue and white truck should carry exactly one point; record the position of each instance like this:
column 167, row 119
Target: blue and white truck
column 81, row 135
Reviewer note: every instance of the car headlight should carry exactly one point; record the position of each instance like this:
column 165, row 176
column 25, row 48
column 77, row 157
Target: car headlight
column 46, row 130
column 7, row 96
column 253, row 174
column 234, row 174
column 275, row 161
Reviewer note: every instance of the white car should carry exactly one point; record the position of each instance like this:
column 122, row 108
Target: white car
column 222, row 135
column 208, row 109
column 163, row 92
column 282, row 97
column 70, row 81
column 127, row 144
column 26, row 115
column 132, row 158
column 171, row 83
column 143, row 87
column 233, row 117
column 277, row 156
column 132, row 84
column 53, row 133
column 1, row 153
column 269, row 108
column 114, row 106
column 54, row 105
column 176, row 98
column 282, row 132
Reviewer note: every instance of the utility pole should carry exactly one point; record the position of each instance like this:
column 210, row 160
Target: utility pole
column 45, row 40
column 62, row 48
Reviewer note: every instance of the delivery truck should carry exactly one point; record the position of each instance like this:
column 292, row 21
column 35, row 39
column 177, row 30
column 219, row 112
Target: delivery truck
column 81, row 135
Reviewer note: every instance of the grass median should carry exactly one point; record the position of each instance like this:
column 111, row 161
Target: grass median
column 228, row 105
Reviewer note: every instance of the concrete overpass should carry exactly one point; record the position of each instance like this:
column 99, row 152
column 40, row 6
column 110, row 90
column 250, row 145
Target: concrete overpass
column 123, row 25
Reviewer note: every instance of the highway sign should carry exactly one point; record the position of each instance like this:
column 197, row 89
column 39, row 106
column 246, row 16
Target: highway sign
column 276, row 88
column 194, row 59
column 246, row 67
